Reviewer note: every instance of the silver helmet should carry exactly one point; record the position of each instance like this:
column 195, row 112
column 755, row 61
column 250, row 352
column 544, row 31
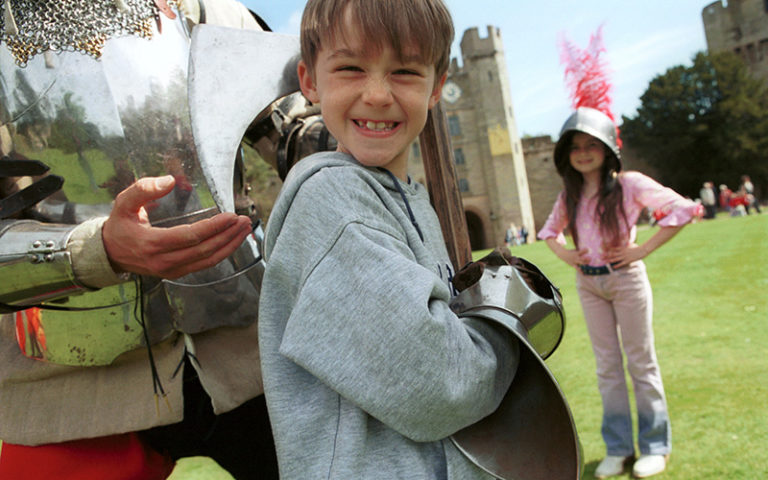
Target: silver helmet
column 593, row 122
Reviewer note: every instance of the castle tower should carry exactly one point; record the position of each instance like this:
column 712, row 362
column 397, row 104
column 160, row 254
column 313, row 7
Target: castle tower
column 487, row 149
column 740, row 26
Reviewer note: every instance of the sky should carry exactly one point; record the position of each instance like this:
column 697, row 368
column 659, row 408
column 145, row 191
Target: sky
column 642, row 38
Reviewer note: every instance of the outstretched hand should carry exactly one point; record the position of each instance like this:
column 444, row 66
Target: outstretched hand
column 133, row 245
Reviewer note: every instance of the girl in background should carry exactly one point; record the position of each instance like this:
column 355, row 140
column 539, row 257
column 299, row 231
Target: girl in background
column 599, row 206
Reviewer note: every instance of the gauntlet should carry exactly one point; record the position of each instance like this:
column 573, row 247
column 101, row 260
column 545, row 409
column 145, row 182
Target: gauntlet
column 532, row 434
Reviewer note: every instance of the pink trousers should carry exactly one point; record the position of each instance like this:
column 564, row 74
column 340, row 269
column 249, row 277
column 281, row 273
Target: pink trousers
column 618, row 310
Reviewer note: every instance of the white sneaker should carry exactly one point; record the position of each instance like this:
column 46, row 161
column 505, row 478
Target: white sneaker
column 648, row 465
column 611, row 465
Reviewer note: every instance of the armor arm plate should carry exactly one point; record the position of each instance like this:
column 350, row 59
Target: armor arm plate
column 40, row 261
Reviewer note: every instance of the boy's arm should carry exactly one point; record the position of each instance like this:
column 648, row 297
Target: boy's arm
column 377, row 329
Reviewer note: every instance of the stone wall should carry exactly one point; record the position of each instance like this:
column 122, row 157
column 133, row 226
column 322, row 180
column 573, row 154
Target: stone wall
column 740, row 26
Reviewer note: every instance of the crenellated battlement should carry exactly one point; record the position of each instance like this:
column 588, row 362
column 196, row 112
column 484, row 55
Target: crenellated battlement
column 473, row 45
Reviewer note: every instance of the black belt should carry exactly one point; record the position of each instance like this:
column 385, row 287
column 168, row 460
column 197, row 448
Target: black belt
column 590, row 270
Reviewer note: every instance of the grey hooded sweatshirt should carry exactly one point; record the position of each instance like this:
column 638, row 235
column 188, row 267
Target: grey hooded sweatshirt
column 367, row 372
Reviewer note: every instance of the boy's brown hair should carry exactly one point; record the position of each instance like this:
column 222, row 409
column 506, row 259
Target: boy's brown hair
column 424, row 23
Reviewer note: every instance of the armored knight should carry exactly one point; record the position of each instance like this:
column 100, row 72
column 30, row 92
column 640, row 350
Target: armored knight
column 125, row 274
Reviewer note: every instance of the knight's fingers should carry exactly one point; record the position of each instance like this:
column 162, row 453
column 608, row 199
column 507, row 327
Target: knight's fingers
column 142, row 192
column 186, row 236
column 204, row 254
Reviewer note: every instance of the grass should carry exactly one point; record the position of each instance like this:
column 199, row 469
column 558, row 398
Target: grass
column 710, row 286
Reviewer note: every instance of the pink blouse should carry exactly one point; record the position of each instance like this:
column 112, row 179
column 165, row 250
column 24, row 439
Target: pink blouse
column 639, row 191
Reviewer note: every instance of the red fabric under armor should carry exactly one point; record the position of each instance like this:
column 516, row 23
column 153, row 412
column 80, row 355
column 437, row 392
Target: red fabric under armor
column 116, row 457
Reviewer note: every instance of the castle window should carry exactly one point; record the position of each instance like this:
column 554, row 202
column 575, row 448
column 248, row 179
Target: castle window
column 453, row 126
column 463, row 185
column 458, row 156
column 751, row 53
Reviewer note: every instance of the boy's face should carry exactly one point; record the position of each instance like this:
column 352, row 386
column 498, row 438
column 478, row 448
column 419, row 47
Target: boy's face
column 373, row 104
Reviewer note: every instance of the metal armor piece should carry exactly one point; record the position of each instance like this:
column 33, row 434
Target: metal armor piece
column 43, row 245
column 539, row 312
column 289, row 130
column 532, row 435
column 225, row 69
column 101, row 124
column 595, row 123
column 31, row 27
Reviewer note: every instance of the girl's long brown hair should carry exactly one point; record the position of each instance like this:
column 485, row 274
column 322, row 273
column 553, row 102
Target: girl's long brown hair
column 610, row 202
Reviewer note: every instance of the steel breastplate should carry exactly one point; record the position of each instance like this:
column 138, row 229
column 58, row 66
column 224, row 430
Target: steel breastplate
column 101, row 124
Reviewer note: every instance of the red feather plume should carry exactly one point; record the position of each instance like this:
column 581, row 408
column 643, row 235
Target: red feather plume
column 587, row 75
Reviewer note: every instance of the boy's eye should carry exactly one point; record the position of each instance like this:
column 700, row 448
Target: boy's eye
column 406, row 71
column 349, row 68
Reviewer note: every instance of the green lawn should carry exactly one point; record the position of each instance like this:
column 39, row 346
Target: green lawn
column 710, row 287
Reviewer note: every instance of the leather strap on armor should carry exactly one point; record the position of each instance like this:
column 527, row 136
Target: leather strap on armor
column 41, row 189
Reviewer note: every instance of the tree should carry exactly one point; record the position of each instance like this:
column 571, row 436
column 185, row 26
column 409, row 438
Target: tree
column 705, row 122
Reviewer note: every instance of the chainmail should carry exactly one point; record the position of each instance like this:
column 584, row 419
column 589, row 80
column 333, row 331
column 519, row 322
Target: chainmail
column 30, row 27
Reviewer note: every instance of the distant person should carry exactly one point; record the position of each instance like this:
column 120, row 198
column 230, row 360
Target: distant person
column 523, row 235
column 725, row 197
column 748, row 190
column 708, row 200
column 510, row 238
column 738, row 203
column 600, row 205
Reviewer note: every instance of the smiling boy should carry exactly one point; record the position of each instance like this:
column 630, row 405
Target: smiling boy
column 367, row 371
column 373, row 97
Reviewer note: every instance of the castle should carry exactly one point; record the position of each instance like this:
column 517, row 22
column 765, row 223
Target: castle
column 488, row 152
column 740, row 26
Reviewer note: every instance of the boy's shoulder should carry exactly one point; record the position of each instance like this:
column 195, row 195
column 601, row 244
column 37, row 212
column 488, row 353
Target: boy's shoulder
column 330, row 188
column 327, row 174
